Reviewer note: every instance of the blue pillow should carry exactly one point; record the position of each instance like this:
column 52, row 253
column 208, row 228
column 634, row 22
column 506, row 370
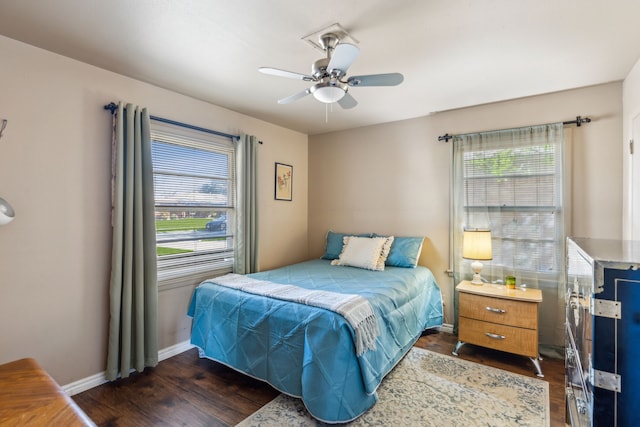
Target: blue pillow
column 335, row 242
column 405, row 252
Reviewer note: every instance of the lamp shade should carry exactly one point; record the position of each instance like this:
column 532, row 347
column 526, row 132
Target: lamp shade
column 6, row 212
column 476, row 244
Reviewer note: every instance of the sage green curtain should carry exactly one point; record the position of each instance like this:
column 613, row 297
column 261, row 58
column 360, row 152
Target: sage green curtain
column 133, row 325
column 246, row 250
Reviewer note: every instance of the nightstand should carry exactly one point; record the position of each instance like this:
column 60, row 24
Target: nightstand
column 503, row 319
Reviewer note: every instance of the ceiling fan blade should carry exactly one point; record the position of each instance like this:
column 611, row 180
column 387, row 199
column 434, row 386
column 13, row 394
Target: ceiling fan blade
column 391, row 79
column 343, row 56
column 284, row 73
column 347, row 101
column 295, row 97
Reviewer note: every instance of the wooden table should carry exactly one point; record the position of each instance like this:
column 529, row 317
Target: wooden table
column 29, row 396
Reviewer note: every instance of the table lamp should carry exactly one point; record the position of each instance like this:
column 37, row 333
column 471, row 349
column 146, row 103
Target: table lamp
column 476, row 245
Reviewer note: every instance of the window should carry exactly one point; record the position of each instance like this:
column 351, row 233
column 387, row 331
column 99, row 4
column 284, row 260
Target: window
column 511, row 182
column 515, row 188
column 194, row 188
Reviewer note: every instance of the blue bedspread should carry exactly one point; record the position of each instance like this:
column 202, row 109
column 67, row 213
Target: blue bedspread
column 309, row 352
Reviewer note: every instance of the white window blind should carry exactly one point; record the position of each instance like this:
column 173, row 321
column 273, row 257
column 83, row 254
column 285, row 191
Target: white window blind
column 516, row 189
column 194, row 189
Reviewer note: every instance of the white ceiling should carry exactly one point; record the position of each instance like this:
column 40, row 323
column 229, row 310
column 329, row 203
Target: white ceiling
column 452, row 53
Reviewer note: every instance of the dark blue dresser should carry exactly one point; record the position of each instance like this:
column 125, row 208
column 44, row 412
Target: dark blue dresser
column 603, row 332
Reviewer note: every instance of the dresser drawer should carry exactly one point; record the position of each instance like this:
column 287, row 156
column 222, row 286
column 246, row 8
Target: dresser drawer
column 522, row 314
column 498, row 336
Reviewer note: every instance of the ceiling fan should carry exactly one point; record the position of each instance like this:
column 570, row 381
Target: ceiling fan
column 329, row 74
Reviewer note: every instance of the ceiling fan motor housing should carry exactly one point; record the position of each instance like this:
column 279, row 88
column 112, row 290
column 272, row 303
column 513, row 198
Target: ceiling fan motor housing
column 319, row 68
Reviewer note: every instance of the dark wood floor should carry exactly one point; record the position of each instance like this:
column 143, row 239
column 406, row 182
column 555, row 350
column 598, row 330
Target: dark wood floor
column 188, row 391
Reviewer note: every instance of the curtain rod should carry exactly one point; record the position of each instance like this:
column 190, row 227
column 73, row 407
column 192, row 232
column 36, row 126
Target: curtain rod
column 578, row 122
column 113, row 106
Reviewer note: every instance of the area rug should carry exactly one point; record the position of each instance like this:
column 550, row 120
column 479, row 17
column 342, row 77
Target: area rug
column 431, row 389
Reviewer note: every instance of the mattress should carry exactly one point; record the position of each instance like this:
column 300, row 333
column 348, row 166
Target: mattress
column 309, row 352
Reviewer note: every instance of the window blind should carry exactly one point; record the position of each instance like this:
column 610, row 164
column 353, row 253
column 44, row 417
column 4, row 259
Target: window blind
column 194, row 189
column 516, row 188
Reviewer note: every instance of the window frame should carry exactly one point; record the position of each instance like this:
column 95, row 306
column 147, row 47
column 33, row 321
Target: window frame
column 498, row 213
column 189, row 268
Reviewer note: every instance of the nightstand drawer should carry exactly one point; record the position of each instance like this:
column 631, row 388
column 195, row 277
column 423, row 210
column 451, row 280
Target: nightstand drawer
column 499, row 337
column 522, row 314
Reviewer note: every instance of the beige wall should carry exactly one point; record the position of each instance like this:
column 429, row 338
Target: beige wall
column 394, row 178
column 55, row 171
column 631, row 163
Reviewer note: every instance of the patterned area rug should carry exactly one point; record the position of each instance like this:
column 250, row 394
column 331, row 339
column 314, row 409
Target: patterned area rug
column 430, row 389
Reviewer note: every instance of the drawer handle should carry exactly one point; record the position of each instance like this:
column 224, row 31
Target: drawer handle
column 494, row 336
column 496, row 310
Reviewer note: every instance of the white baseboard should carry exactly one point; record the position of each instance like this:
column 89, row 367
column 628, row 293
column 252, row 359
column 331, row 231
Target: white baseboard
column 88, row 383
column 85, row 384
column 168, row 352
column 446, row 327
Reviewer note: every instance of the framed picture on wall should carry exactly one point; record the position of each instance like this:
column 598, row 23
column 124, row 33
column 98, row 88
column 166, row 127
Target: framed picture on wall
column 284, row 182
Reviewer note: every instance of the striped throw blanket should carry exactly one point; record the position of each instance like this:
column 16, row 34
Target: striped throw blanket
column 354, row 308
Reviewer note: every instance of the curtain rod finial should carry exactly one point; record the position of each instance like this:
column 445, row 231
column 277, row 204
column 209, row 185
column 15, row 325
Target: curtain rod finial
column 446, row 137
column 112, row 106
column 580, row 120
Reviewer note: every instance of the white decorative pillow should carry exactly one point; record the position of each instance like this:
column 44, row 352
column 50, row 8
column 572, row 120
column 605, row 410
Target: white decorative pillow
column 364, row 252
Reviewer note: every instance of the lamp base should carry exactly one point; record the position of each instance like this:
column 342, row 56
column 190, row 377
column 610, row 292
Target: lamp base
column 477, row 279
column 476, row 266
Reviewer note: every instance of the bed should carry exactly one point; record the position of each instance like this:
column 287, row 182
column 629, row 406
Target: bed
column 309, row 352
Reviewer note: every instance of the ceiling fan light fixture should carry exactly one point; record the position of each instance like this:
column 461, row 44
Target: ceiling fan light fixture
column 329, row 92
